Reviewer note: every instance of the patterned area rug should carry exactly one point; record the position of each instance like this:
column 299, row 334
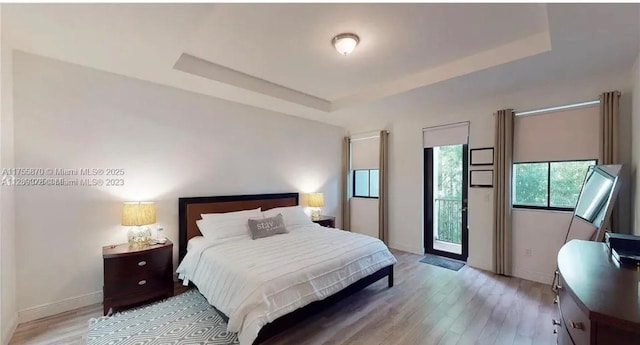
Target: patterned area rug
column 447, row 263
column 180, row 320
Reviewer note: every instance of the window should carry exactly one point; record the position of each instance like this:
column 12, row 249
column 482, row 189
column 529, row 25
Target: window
column 549, row 185
column 530, row 184
column 365, row 183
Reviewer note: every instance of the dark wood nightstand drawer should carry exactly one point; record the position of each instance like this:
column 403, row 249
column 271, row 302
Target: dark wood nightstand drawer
column 140, row 265
column 136, row 275
column 138, row 285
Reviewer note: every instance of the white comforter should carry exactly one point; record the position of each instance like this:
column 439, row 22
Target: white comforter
column 255, row 282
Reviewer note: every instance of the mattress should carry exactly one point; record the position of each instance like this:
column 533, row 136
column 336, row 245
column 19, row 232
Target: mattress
column 254, row 282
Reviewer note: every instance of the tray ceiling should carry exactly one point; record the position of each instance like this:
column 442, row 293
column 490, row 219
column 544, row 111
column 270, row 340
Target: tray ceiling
column 279, row 56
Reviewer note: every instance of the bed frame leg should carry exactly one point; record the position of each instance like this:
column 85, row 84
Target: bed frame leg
column 391, row 277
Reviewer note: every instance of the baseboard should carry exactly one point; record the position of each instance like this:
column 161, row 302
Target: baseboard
column 405, row 248
column 540, row 277
column 54, row 308
column 8, row 331
column 475, row 264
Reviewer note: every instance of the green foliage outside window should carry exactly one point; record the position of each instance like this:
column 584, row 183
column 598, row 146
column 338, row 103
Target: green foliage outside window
column 449, row 171
column 566, row 182
column 530, row 184
column 448, row 192
column 549, row 184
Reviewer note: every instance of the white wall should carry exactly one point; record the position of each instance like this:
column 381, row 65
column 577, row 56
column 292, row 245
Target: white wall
column 538, row 236
column 2, row 340
column 364, row 216
column 625, row 197
column 171, row 144
column 8, row 306
column 406, row 164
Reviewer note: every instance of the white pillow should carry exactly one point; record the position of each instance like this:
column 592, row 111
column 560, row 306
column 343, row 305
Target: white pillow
column 234, row 214
column 212, row 233
column 195, row 241
column 217, row 226
column 293, row 215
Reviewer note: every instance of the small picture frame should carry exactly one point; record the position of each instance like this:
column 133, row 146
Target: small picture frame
column 481, row 156
column 481, row 178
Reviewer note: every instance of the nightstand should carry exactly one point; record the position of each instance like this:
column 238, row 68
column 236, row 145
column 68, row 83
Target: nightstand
column 326, row 221
column 133, row 276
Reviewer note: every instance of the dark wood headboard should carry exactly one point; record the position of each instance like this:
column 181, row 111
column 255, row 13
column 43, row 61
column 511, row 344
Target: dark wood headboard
column 189, row 210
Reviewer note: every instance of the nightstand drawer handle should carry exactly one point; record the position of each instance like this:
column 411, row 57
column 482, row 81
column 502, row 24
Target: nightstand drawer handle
column 142, row 263
column 142, row 282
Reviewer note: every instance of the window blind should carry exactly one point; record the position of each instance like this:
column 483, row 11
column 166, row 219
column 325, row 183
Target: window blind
column 555, row 136
column 454, row 134
column 365, row 153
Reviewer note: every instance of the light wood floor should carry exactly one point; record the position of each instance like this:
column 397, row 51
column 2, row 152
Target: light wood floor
column 427, row 305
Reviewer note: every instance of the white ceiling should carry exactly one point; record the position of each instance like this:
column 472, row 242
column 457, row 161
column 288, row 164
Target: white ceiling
column 279, row 56
column 290, row 44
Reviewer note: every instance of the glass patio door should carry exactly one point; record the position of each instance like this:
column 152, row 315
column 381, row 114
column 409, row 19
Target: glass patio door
column 445, row 201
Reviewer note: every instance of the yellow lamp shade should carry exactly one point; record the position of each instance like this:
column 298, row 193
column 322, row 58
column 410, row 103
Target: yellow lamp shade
column 315, row 200
column 138, row 213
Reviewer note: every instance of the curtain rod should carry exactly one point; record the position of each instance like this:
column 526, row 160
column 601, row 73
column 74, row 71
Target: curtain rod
column 447, row 125
column 370, row 135
column 556, row 108
column 365, row 138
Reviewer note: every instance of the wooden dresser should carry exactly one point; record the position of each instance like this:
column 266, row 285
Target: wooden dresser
column 133, row 276
column 597, row 300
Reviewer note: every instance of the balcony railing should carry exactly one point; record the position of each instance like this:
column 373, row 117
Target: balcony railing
column 448, row 212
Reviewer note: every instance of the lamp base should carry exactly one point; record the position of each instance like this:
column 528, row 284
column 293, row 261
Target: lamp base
column 315, row 214
column 139, row 236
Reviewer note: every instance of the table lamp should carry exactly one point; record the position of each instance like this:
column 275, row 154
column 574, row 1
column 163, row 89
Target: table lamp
column 316, row 201
column 137, row 215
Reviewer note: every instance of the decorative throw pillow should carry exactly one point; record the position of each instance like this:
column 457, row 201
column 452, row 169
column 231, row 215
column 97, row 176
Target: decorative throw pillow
column 266, row 227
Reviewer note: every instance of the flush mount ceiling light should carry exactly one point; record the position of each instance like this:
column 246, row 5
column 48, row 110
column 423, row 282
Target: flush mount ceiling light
column 345, row 43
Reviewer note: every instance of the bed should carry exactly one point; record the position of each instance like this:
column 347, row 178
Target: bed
column 265, row 286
